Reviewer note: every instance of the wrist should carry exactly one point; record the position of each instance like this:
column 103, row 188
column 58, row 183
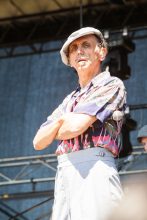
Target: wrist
column 60, row 121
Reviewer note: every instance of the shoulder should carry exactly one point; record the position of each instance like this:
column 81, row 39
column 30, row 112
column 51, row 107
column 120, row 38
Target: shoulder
column 69, row 96
column 115, row 81
column 105, row 79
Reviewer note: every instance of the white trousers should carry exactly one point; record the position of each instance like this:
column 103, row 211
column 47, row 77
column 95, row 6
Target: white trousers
column 87, row 185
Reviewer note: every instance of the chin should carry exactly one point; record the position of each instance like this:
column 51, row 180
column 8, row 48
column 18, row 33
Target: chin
column 82, row 67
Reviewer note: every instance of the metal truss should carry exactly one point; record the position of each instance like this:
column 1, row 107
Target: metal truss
column 25, row 50
column 131, row 176
column 25, row 163
column 23, row 169
column 129, row 160
column 28, row 30
column 13, row 214
column 27, row 166
column 17, row 49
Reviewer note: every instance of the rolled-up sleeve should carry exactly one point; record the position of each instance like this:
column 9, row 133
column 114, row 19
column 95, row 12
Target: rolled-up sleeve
column 103, row 101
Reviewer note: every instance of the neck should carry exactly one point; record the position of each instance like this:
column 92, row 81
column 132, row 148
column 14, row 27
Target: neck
column 85, row 76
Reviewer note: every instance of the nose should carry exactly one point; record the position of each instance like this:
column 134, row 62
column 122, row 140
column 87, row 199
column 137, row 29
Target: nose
column 80, row 49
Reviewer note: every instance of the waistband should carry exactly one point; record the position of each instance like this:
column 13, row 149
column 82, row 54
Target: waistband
column 95, row 153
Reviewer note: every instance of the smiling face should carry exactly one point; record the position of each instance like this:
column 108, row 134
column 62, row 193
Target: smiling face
column 86, row 52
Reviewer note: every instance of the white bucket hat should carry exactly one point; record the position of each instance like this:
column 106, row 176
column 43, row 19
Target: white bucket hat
column 75, row 35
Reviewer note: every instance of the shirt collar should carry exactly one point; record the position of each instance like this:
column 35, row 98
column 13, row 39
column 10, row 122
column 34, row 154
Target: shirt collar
column 97, row 80
column 101, row 77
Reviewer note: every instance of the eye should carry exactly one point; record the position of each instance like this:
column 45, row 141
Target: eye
column 72, row 48
column 86, row 45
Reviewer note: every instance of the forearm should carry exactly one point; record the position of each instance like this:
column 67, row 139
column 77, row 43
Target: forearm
column 45, row 135
column 74, row 125
column 65, row 133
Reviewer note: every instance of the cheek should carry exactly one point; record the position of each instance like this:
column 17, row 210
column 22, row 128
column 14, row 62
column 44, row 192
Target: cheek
column 71, row 60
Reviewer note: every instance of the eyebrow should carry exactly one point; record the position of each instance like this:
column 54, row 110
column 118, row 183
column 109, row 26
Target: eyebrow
column 85, row 41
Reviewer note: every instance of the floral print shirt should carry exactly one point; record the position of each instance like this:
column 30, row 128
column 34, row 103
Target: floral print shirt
column 101, row 97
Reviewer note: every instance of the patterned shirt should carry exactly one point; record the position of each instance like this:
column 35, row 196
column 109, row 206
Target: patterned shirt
column 101, row 97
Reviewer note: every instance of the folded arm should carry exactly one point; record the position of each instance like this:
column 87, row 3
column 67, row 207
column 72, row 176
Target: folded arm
column 46, row 134
column 69, row 126
column 74, row 124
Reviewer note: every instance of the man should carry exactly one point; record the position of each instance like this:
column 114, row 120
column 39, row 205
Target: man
column 142, row 136
column 87, row 186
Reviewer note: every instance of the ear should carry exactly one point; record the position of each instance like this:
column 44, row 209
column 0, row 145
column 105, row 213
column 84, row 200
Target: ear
column 102, row 53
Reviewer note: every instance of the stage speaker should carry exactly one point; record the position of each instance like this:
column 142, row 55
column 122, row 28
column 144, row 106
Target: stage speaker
column 117, row 58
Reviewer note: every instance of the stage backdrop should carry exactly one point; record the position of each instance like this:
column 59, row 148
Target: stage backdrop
column 32, row 86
